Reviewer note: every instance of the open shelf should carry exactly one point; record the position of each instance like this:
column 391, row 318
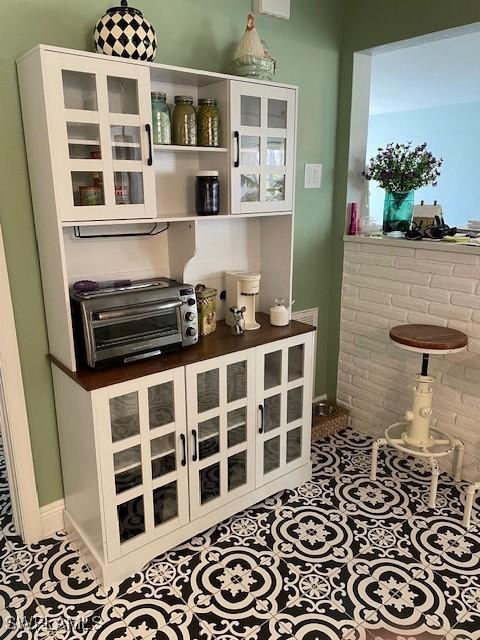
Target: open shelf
column 188, row 149
column 165, row 219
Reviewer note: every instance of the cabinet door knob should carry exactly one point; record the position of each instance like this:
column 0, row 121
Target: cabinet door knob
column 262, row 418
column 195, row 445
column 183, row 440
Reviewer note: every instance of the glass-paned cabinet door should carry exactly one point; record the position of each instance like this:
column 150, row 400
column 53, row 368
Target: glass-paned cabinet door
column 263, row 137
column 221, row 430
column 141, row 427
column 284, row 403
column 101, row 122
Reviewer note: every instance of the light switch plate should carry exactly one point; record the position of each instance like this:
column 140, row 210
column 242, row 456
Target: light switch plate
column 313, row 176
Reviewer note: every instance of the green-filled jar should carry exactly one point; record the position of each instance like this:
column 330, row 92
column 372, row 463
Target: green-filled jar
column 161, row 119
column 208, row 123
column 184, row 122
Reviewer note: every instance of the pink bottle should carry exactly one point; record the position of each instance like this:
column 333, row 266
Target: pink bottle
column 353, row 230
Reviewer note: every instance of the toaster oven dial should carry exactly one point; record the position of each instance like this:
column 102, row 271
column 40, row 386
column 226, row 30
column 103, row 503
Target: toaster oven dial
column 189, row 316
column 190, row 331
column 191, row 301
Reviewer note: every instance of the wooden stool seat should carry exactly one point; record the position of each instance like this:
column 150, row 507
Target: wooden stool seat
column 428, row 338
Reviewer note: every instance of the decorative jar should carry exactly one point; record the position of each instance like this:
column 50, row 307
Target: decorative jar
column 184, row 122
column 398, row 211
column 207, row 309
column 126, row 33
column 208, row 123
column 161, row 119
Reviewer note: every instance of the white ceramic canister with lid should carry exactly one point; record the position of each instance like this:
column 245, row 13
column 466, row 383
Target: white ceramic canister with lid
column 279, row 314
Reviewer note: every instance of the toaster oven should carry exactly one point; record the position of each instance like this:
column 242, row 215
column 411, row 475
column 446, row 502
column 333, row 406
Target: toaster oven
column 129, row 320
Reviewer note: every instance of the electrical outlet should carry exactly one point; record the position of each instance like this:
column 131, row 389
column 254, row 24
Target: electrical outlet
column 313, row 176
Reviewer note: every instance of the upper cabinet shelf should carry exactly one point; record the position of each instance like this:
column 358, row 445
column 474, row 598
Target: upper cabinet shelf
column 185, row 149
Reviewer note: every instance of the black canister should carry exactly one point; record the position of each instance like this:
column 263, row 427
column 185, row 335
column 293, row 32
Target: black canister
column 207, row 193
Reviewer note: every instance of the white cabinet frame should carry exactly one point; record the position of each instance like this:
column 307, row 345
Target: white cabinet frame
column 107, row 449
column 59, row 116
column 194, row 418
column 264, row 93
column 281, row 390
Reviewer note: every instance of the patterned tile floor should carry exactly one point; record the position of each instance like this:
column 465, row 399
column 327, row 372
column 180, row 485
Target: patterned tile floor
column 341, row 557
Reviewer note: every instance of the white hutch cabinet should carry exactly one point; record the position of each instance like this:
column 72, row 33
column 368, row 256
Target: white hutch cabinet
column 156, row 452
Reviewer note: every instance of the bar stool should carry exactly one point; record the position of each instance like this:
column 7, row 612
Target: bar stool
column 415, row 435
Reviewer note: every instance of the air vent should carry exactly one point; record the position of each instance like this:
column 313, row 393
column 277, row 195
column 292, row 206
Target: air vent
column 309, row 316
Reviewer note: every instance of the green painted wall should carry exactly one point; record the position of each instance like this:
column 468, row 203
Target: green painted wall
column 193, row 34
column 367, row 24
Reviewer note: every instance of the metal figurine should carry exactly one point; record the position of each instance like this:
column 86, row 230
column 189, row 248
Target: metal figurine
column 238, row 326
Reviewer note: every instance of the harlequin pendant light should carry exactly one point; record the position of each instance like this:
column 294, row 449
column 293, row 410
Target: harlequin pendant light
column 125, row 32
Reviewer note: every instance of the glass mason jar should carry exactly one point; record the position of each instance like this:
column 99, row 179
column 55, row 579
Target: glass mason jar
column 208, row 122
column 398, row 211
column 161, row 119
column 207, row 193
column 184, row 121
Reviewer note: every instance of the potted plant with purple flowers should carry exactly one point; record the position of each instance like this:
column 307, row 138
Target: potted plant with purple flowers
column 400, row 169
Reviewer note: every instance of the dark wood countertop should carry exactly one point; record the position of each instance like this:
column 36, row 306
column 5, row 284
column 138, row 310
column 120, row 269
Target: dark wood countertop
column 217, row 344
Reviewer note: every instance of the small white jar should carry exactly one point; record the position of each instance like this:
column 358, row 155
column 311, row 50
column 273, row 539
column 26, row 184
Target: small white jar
column 279, row 314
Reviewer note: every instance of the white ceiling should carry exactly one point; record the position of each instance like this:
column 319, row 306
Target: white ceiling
column 427, row 75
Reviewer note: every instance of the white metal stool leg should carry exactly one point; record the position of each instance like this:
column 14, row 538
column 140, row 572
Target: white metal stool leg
column 458, row 459
column 375, row 447
column 434, row 484
column 470, row 494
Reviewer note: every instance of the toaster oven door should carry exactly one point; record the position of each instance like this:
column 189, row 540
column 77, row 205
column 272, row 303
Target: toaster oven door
column 126, row 331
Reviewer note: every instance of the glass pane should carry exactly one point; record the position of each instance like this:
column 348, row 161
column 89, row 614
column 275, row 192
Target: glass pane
column 163, row 455
column 131, row 518
column 154, row 326
column 295, row 362
column 207, row 390
column 124, row 416
column 272, row 412
column 249, row 150
column 275, row 188
column 250, row 188
column 83, row 141
column 237, row 470
column 276, row 151
column 273, row 369
column 210, row 483
column 277, row 114
column 250, row 109
column 79, row 90
column 237, row 426
column 87, row 188
column 165, row 503
column 294, row 444
column 295, row 404
column 122, row 95
column 128, row 187
column 161, row 406
column 127, row 458
column 125, row 143
column 236, row 381
column 128, row 479
column 209, row 438
column 271, row 454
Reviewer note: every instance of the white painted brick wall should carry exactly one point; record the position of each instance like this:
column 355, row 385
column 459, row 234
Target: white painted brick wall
column 385, row 285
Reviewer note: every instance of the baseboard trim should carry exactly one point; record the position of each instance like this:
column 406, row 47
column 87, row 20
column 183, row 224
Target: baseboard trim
column 320, row 398
column 51, row 517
